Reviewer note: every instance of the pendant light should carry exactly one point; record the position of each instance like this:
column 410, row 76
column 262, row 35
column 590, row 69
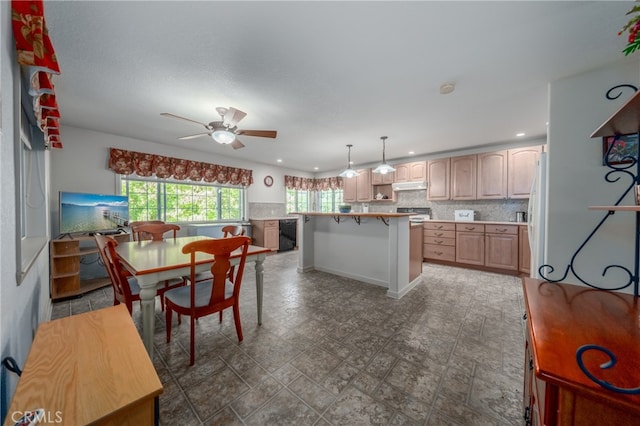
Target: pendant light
column 349, row 172
column 383, row 168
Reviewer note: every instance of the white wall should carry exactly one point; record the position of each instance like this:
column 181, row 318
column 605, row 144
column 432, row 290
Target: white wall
column 576, row 176
column 22, row 307
column 81, row 166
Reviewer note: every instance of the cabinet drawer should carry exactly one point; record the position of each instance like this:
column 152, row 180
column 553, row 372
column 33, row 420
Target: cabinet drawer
column 440, row 241
column 469, row 227
column 439, row 234
column 501, row 229
column 442, row 226
column 271, row 223
column 447, row 253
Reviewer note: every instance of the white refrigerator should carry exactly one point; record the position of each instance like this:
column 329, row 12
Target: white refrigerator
column 537, row 215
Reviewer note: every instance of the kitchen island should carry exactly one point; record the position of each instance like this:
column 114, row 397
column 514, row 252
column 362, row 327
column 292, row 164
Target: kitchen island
column 369, row 247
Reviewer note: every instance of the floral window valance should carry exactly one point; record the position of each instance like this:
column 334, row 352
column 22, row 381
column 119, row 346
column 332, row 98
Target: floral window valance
column 128, row 162
column 311, row 184
column 36, row 54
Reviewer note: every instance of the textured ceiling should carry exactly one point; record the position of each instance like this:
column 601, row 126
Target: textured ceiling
column 325, row 74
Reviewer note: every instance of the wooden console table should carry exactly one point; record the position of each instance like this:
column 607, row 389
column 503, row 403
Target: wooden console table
column 90, row 368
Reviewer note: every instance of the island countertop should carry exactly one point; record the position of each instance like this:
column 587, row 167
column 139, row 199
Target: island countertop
column 361, row 214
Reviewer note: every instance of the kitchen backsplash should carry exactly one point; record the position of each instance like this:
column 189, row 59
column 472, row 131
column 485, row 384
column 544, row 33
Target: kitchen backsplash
column 491, row 210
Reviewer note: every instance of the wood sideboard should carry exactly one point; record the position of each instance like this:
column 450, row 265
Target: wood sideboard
column 90, row 368
column 561, row 318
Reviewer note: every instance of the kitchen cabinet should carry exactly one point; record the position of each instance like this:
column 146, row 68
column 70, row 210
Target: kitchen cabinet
column 492, row 175
column 380, row 179
column 524, row 251
column 439, row 241
column 65, row 260
column 463, row 177
column 266, row 233
column 381, row 184
column 411, row 172
column 470, row 246
column 358, row 188
column 501, row 247
column 560, row 319
column 439, row 172
column 522, row 166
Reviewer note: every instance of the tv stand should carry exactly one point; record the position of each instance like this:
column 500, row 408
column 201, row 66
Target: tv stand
column 65, row 256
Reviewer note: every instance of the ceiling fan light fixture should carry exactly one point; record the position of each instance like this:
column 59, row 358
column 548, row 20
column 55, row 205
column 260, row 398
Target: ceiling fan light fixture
column 348, row 172
column 383, row 168
column 223, row 136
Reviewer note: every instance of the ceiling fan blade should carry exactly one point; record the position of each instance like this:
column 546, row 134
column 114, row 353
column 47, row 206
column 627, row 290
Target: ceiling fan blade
column 167, row 114
column 236, row 144
column 260, row 133
column 233, row 116
column 197, row 135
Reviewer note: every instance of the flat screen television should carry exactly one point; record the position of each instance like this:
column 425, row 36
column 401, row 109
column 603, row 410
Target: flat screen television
column 88, row 213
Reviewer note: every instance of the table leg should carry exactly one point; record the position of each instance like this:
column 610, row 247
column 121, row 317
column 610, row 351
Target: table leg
column 147, row 300
column 259, row 285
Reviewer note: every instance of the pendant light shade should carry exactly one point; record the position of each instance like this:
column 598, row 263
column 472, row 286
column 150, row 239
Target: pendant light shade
column 383, row 168
column 349, row 172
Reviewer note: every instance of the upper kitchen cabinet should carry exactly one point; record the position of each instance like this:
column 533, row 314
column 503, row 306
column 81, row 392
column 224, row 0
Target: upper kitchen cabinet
column 358, row 188
column 492, row 175
column 380, row 179
column 522, row 165
column 463, row 177
column 411, row 172
column 439, row 172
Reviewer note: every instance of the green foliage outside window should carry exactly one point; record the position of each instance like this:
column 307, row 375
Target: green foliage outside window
column 182, row 202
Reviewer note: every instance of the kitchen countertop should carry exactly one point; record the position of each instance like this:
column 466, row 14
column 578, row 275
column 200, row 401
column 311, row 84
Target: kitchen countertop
column 357, row 214
column 274, row 218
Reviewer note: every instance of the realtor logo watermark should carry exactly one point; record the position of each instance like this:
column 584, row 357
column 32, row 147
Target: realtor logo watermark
column 36, row 417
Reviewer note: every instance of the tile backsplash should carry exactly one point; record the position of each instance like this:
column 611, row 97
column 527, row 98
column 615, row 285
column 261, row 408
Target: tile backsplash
column 260, row 210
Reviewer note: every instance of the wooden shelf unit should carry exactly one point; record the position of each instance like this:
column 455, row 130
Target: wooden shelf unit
column 65, row 256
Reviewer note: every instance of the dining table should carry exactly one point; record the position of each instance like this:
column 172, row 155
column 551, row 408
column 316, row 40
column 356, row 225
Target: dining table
column 151, row 262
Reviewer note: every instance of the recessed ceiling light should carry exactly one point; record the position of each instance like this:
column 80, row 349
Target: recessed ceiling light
column 279, row 160
column 520, row 134
column 447, row 88
column 316, row 168
column 411, row 152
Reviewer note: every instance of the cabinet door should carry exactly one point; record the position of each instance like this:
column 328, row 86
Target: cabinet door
column 402, row 172
column 418, row 171
column 350, row 189
column 501, row 251
column 470, row 248
column 438, row 179
column 463, row 177
column 522, row 165
column 524, row 251
column 492, row 175
column 272, row 237
column 380, row 179
column 389, row 178
column 363, row 183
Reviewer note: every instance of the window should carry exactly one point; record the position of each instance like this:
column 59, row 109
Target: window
column 298, row 201
column 173, row 201
column 329, row 200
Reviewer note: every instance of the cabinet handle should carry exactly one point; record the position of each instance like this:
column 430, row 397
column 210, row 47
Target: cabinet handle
column 527, row 416
column 501, row 230
column 439, row 234
column 439, row 253
column 530, row 363
column 524, row 316
column 439, row 227
column 438, row 241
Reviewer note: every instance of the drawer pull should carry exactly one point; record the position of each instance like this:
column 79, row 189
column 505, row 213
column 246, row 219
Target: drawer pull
column 502, row 230
column 524, row 316
column 439, row 234
column 530, row 364
column 469, row 228
column 439, row 241
column 439, row 253
column 439, row 226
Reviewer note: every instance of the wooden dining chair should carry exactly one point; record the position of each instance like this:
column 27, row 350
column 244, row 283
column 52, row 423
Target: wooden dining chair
column 227, row 231
column 134, row 226
column 215, row 295
column 156, row 231
column 125, row 287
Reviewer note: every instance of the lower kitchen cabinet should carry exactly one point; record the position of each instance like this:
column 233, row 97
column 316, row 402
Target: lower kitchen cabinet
column 439, row 241
column 501, row 247
column 266, row 233
column 561, row 318
column 470, row 246
column 524, row 251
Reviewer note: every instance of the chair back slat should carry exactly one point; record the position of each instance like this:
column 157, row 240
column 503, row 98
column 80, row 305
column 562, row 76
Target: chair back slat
column 155, row 231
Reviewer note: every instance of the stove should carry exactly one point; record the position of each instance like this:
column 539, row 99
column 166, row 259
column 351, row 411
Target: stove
column 420, row 213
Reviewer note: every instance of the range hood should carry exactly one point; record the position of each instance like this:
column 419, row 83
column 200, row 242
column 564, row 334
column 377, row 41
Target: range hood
column 409, row 186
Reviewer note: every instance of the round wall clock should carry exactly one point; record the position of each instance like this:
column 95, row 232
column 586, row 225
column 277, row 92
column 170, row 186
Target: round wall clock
column 268, row 181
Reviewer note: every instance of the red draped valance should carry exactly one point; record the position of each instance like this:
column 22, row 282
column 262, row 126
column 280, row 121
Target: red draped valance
column 35, row 52
column 128, row 162
column 311, row 184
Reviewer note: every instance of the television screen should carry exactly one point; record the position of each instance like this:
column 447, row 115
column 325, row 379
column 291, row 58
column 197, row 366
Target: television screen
column 82, row 213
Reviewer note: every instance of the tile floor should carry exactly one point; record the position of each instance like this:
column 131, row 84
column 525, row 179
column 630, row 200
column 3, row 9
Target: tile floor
column 334, row 351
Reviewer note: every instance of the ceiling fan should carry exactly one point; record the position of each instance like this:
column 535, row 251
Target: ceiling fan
column 225, row 130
